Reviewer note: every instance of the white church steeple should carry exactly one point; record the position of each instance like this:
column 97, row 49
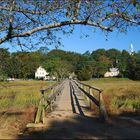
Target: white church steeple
column 131, row 50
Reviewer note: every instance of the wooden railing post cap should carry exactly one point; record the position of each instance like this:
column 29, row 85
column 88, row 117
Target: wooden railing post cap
column 101, row 91
column 42, row 90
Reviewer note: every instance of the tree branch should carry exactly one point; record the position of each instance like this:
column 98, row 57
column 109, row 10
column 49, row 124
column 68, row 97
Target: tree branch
column 77, row 9
column 103, row 15
column 55, row 25
column 22, row 10
column 125, row 18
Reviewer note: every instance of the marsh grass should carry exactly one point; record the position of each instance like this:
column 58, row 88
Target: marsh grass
column 130, row 100
column 119, row 93
column 21, row 94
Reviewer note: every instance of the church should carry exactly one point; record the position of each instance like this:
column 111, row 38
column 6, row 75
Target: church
column 114, row 72
column 131, row 50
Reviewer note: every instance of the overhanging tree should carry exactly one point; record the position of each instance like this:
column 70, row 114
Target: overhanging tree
column 22, row 20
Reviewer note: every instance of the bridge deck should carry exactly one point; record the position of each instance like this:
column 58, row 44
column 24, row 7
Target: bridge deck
column 71, row 101
column 72, row 119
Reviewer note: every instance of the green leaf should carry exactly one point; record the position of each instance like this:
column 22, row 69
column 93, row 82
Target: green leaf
column 134, row 2
column 118, row 10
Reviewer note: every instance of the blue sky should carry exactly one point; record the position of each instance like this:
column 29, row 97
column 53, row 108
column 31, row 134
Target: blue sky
column 98, row 40
column 76, row 42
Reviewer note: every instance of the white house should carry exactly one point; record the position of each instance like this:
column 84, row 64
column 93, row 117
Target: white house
column 112, row 73
column 42, row 73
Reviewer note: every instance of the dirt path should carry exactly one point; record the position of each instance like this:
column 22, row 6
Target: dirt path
column 72, row 119
column 13, row 121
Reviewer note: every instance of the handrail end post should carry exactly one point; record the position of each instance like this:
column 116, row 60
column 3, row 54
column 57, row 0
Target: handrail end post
column 103, row 112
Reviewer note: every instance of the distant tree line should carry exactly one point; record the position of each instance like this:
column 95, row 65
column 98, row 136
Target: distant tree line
column 62, row 63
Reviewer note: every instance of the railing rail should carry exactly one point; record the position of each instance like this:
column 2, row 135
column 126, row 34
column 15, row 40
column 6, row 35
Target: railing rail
column 40, row 118
column 93, row 87
column 89, row 96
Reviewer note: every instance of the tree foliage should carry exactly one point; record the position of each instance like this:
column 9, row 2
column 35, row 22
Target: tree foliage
column 23, row 20
column 61, row 64
column 134, row 68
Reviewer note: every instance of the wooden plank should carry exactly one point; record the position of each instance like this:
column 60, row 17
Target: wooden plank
column 34, row 125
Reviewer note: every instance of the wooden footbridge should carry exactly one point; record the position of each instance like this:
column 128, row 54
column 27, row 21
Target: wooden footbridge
column 67, row 111
column 69, row 99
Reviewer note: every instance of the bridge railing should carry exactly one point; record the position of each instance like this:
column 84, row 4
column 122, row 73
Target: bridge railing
column 88, row 92
column 55, row 90
column 48, row 96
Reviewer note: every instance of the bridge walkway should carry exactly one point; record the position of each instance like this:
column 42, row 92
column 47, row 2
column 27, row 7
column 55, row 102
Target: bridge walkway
column 71, row 101
column 71, row 118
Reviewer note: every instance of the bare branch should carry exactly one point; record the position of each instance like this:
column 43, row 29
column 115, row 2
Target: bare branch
column 26, row 18
column 16, row 9
column 77, row 9
column 55, row 25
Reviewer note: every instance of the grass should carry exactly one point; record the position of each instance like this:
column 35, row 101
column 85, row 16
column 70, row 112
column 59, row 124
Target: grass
column 119, row 93
column 130, row 100
column 20, row 94
column 18, row 102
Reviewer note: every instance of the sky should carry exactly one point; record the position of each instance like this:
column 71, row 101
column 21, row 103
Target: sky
column 77, row 42
column 99, row 39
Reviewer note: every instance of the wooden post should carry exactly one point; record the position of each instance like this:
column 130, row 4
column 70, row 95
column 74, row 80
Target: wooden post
column 84, row 88
column 52, row 91
column 51, row 108
column 39, row 112
column 81, row 86
column 103, row 113
column 40, row 116
column 90, row 93
column 43, row 115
